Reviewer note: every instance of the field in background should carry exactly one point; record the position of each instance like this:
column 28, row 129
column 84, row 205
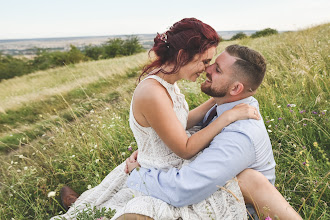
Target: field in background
column 25, row 47
column 81, row 111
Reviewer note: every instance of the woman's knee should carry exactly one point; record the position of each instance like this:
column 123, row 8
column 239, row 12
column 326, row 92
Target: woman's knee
column 250, row 181
column 251, row 176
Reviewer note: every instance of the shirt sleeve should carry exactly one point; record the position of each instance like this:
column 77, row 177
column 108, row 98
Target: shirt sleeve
column 228, row 154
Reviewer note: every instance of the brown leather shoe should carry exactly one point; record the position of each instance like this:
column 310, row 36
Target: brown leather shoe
column 68, row 196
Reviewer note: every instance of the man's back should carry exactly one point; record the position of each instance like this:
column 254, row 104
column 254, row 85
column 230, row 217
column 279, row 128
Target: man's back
column 256, row 131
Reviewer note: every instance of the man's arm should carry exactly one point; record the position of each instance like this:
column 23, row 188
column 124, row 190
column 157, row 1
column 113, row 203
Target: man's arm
column 228, row 154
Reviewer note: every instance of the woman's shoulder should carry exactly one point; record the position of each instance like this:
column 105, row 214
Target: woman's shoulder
column 150, row 89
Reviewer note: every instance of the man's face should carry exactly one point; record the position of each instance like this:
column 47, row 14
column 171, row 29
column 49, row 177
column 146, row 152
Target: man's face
column 219, row 76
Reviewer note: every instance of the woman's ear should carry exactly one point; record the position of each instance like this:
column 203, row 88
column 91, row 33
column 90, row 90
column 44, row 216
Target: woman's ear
column 236, row 88
column 181, row 55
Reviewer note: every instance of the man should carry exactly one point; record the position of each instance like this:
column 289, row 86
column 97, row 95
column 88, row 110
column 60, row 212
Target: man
column 231, row 80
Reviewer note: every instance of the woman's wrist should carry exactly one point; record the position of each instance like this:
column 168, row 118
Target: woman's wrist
column 227, row 117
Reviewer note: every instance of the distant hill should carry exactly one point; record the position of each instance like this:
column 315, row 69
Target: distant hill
column 26, row 46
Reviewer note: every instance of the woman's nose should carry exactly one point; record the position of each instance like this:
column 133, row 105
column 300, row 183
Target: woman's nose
column 205, row 66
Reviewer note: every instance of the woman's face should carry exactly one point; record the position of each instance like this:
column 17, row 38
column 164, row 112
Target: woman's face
column 194, row 68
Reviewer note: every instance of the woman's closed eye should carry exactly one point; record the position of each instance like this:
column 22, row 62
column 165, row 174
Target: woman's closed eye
column 206, row 62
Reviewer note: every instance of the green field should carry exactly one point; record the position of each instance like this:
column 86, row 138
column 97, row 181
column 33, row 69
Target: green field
column 69, row 126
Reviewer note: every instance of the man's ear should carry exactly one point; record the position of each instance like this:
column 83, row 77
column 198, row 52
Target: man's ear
column 236, row 88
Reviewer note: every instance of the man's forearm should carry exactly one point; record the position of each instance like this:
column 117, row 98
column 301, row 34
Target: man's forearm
column 199, row 179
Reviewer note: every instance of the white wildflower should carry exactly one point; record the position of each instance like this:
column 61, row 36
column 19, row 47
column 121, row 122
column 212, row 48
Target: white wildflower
column 123, row 153
column 89, row 187
column 25, row 168
column 278, row 106
column 21, row 157
column 97, row 160
column 270, row 131
column 73, row 156
column 51, row 194
column 269, row 126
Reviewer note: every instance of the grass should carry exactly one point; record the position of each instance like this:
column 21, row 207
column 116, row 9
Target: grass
column 43, row 84
column 79, row 148
column 16, row 122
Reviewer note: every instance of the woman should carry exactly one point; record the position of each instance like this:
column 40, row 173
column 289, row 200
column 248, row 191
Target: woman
column 159, row 117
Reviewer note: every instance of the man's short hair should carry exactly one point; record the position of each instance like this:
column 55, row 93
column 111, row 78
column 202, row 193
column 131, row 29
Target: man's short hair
column 250, row 66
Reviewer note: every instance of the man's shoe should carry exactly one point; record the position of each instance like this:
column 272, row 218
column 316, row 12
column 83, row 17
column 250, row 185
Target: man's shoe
column 68, row 197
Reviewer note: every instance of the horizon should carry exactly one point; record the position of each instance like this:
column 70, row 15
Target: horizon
column 37, row 19
column 113, row 35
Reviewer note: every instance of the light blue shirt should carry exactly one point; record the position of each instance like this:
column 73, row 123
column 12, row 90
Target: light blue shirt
column 242, row 144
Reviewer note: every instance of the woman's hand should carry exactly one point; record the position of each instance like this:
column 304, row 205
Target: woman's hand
column 242, row 111
column 131, row 162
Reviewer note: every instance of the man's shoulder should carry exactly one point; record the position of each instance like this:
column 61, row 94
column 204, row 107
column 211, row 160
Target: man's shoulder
column 255, row 130
column 244, row 126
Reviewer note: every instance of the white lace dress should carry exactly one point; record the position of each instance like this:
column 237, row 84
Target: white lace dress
column 113, row 193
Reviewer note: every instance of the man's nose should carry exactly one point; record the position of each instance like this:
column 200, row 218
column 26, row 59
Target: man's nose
column 208, row 69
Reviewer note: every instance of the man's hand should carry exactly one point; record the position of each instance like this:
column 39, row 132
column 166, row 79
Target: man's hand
column 131, row 162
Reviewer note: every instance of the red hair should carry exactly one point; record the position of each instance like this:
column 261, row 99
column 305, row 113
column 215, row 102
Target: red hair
column 190, row 35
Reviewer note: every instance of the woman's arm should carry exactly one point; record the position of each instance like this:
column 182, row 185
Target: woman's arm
column 154, row 108
column 197, row 114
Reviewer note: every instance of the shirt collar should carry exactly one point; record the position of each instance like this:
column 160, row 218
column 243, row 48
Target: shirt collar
column 226, row 106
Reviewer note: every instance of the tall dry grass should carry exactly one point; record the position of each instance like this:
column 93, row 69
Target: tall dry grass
column 43, row 84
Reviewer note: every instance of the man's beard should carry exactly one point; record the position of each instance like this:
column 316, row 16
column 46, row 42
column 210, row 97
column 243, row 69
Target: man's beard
column 213, row 92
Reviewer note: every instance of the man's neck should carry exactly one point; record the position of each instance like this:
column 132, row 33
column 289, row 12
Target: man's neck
column 228, row 99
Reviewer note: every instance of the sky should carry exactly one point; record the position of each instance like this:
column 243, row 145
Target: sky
column 70, row 18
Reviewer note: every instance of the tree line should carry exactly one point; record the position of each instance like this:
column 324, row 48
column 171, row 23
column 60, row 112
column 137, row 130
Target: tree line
column 11, row 67
column 262, row 33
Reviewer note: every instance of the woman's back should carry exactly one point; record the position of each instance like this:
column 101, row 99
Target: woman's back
column 153, row 152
